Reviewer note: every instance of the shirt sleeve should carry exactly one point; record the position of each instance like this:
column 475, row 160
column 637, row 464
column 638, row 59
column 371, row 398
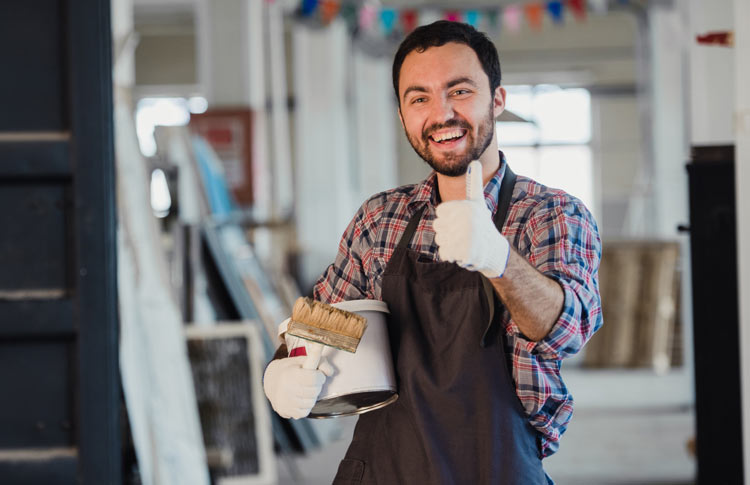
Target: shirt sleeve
column 564, row 244
column 346, row 278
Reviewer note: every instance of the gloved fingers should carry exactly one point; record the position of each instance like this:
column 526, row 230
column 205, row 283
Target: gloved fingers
column 441, row 229
column 445, row 254
column 307, row 377
column 300, row 413
column 282, row 414
column 325, row 367
column 306, row 392
column 436, row 224
column 306, row 403
column 295, row 361
column 448, row 210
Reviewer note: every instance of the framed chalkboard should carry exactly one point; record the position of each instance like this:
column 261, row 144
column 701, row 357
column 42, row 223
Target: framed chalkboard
column 227, row 364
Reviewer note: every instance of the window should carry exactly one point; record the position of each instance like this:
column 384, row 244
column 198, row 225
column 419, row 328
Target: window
column 152, row 112
column 552, row 147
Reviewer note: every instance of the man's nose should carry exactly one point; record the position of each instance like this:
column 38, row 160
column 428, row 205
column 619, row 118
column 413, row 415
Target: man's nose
column 442, row 110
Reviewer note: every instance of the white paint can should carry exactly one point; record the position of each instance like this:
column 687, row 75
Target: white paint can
column 362, row 381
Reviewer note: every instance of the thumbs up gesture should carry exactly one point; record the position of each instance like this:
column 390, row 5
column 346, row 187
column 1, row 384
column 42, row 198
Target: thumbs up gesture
column 465, row 233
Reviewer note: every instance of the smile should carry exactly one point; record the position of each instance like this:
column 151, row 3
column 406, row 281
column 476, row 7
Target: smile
column 448, row 136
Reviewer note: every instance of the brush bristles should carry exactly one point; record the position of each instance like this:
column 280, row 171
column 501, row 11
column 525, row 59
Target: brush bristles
column 316, row 321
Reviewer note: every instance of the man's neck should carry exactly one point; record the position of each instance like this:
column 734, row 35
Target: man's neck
column 454, row 188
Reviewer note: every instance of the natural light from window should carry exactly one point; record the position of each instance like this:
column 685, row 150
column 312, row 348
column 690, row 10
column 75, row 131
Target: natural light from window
column 553, row 146
column 152, row 112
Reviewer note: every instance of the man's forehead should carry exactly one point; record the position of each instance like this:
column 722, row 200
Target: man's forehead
column 436, row 64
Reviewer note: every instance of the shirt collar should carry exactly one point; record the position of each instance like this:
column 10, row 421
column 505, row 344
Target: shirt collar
column 427, row 189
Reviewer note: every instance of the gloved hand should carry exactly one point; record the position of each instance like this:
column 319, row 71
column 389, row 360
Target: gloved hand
column 291, row 389
column 465, row 233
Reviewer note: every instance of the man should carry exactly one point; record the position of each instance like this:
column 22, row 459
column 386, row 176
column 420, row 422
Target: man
column 491, row 280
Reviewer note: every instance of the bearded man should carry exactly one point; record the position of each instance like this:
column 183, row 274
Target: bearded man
column 490, row 279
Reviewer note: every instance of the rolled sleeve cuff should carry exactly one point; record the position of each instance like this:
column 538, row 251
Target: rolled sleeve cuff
column 564, row 338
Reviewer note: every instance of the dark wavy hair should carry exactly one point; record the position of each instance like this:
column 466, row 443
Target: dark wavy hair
column 440, row 33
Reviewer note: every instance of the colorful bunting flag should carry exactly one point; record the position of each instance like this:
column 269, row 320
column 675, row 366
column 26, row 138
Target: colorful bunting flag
column 348, row 12
column 534, row 15
column 452, row 16
column 578, row 7
column 367, row 16
column 471, row 17
column 328, row 10
column 512, row 17
column 408, row 20
column 388, row 18
column 491, row 17
column 488, row 19
column 308, row 7
column 555, row 11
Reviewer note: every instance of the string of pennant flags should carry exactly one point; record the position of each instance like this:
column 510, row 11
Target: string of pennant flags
column 371, row 17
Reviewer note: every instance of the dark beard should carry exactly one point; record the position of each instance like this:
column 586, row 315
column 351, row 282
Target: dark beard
column 455, row 165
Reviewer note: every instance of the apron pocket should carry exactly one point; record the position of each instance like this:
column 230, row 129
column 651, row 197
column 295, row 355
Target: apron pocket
column 350, row 472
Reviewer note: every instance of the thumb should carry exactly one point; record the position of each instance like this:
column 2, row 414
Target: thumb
column 474, row 185
column 325, row 367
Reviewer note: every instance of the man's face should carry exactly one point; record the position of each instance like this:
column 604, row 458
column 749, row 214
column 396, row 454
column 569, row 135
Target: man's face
column 447, row 109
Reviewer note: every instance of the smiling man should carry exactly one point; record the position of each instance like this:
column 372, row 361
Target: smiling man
column 490, row 278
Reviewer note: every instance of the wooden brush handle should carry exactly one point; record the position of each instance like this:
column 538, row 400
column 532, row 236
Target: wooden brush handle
column 313, row 357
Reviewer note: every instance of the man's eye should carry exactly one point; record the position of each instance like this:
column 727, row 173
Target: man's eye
column 461, row 91
column 418, row 100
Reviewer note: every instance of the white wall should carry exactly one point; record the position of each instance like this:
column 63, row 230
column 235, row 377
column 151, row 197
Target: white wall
column 345, row 143
column 374, row 117
column 617, row 147
column 712, row 79
column 325, row 173
column 670, row 149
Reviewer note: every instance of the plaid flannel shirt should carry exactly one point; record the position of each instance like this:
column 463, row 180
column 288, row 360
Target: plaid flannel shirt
column 551, row 229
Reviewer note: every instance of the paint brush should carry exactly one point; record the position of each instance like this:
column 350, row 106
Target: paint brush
column 324, row 324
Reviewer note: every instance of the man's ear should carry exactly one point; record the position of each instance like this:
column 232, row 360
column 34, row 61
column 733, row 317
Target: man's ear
column 498, row 103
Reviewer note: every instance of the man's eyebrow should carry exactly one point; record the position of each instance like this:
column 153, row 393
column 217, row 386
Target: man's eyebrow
column 460, row 80
column 448, row 85
column 414, row 88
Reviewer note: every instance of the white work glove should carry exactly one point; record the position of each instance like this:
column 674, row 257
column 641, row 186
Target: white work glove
column 291, row 389
column 465, row 233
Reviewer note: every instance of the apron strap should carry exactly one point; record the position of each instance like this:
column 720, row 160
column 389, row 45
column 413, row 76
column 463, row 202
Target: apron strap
column 506, row 194
column 503, row 204
column 411, row 228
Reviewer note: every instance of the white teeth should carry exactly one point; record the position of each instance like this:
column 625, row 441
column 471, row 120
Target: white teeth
column 447, row 135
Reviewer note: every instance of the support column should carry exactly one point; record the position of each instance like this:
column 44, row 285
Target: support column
column 742, row 180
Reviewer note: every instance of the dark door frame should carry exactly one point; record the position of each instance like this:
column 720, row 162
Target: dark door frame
column 56, row 121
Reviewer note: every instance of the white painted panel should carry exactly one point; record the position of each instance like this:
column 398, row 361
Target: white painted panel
column 742, row 170
column 323, row 176
column 375, row 120
column 157, row 382
column 712, row 76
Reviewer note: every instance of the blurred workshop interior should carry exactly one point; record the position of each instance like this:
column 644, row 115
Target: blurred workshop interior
column 178, row 172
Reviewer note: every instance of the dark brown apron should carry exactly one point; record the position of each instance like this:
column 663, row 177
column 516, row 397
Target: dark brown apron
column 457, row 419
